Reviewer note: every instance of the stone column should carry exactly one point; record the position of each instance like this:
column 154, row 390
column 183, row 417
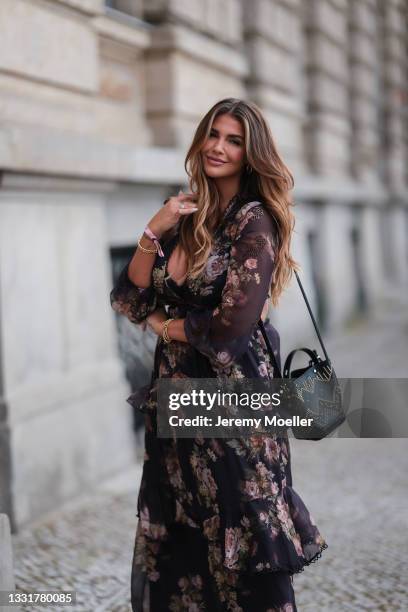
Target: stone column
column 63, row 385
column 365, row 99
column 6, row 502
column 274, row 45
column 328, row 130
column 327, row 134
column 7, row 582
column 364, row 90
column 393, row 33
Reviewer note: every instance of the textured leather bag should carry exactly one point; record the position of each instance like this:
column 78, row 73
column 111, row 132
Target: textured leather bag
column 316, row 391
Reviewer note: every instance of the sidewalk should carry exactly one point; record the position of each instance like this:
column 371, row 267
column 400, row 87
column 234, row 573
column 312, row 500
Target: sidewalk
column 377, row 348
column 86, row 547
column 354, row 488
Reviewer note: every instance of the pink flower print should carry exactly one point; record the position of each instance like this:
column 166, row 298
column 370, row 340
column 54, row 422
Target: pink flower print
column 271, row 450
column 240, row 297
column 251, row 263
column 232, row 546
column 261, row 469
column 251, row 489
column 234, row 279
column 223, row 357
column 262, row 369
column 283, row 514
column 256, row 442
column 183, row 583
column 145, row 519
column 214, row 267
column 209, row 482
column 211, row 526
column 197, row 581
column 245, row 522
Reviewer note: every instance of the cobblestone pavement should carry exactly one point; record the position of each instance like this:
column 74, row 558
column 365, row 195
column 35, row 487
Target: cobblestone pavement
column 355, row 489
column 86, row 548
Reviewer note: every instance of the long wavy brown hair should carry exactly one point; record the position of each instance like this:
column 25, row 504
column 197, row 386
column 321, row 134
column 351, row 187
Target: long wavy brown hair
column 270, row 182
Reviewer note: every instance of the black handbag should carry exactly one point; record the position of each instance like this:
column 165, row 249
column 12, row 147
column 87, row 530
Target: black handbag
column 314, row 390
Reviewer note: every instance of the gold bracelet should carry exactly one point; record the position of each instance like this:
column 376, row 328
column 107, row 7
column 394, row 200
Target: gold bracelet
column 165, row 331
column 142, row 248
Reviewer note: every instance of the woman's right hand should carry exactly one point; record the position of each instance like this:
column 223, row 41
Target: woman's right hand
column 171, row 212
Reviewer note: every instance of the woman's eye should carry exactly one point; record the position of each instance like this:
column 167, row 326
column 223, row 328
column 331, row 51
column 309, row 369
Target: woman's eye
column 235, row 142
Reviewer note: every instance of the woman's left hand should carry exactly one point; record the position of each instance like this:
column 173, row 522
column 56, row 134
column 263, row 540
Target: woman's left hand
column 156, row 319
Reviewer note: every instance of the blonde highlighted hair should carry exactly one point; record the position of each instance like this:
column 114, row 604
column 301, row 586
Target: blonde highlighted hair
column 270, row 182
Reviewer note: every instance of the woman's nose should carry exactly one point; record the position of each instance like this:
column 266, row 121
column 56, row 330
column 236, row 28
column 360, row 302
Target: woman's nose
column 218, row 146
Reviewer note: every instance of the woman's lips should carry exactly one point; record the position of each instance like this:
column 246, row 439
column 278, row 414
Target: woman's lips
column 214, row 162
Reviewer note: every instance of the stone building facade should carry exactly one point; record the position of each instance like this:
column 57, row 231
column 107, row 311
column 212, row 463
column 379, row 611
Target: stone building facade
column 98, row 102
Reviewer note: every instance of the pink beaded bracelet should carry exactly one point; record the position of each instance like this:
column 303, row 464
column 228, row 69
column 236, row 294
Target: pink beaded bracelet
column 150, row 234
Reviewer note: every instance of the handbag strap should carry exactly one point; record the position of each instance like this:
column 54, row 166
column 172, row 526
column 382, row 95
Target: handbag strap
column 312, row 317
column 268, row 344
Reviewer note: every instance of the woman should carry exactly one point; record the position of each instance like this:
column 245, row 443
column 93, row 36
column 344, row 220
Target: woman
column 220, row 526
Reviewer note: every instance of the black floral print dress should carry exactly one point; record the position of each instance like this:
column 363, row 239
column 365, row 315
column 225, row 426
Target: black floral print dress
column 220, row 525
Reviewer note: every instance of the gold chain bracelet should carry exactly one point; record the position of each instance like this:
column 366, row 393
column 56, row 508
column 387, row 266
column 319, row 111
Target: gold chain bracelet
column 144, row 250
column 165, row 331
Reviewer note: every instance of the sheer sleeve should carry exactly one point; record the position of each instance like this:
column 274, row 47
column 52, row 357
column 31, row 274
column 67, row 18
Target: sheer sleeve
column 223, row 333
column 136, row 303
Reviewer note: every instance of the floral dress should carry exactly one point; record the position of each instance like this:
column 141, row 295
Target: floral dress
column 220, row 525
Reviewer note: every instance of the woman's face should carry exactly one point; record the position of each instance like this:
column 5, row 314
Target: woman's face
column 225, row 143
